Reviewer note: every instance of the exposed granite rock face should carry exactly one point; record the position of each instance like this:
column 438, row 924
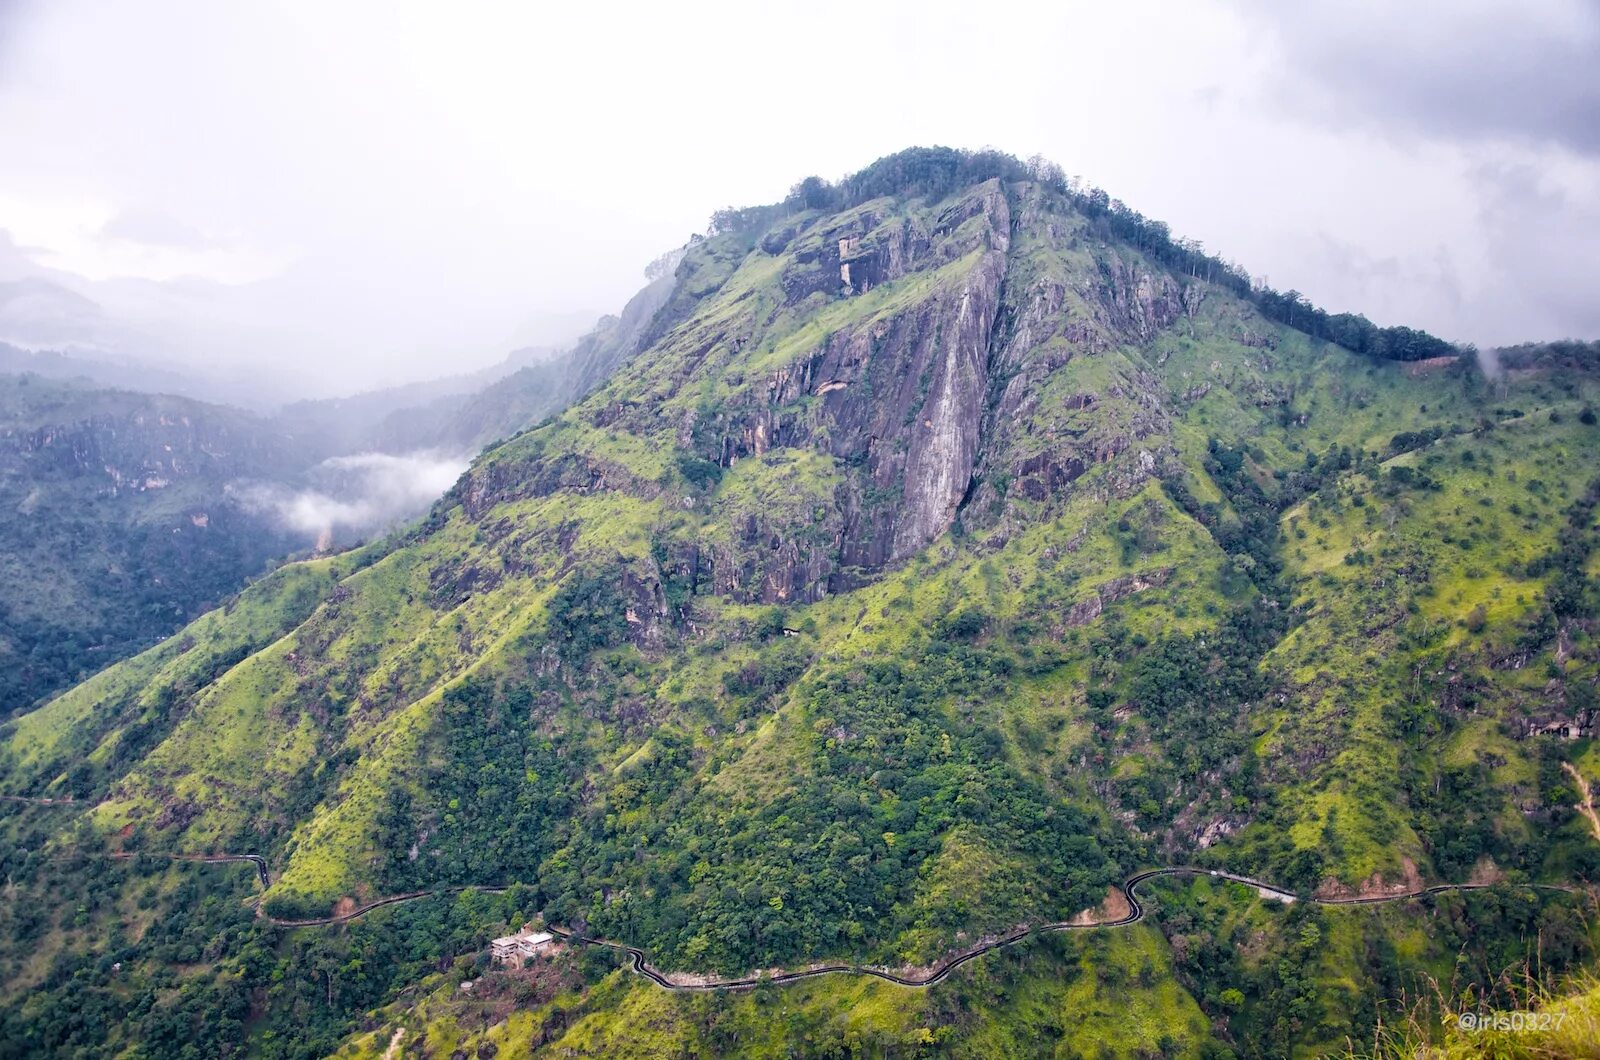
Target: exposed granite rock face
column 992, row 365
column 765, row 565
column 1136, row 301
column 1093, row 606
column 903, row 398
column 944, row 442
column 762, row 560
column 646, row 611
column 1071, row 307
column 900, row 398
column 146, row 449
column 888, row 254
column 482, row 488
column 851, row 254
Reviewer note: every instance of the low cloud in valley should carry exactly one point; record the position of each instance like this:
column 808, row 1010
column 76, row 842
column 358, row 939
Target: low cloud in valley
column 356, row 494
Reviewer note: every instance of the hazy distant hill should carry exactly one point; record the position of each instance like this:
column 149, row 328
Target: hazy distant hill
column 114, row 525
column 130, row 511
column 467, row 422
column 118, row 374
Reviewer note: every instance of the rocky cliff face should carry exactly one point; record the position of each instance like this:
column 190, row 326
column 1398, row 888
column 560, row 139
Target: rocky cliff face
column 142, row 449
column 900, row 394
column 923, row 350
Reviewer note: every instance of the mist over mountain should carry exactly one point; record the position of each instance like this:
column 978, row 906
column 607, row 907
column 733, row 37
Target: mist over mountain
column 180, row 517
column 356, row 493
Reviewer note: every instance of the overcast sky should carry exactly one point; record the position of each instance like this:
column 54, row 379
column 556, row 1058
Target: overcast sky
column 371, row 192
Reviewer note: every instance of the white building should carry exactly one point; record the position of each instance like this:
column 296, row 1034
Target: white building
column 514, row 949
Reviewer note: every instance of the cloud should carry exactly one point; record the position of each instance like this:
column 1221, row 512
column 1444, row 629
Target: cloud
column 16, row 262
column 1544, row 234
column 1495, row 105
column 1389, row 287
column 355, row 494
column 1471, row 69
column 154, row 228
column 402, row 206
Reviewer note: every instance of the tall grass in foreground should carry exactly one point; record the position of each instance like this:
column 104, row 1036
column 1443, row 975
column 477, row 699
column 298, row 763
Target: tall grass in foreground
column 1529, row 1020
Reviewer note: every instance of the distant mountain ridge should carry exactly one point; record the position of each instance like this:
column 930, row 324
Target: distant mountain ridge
column 109, row 473
column 492, row 404
column 114, row 523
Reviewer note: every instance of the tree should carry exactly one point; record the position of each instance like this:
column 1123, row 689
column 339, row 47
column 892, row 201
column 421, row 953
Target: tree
column 813, row 193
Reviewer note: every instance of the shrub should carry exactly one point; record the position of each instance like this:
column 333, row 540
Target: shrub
column 699, row 472
column 964, row 625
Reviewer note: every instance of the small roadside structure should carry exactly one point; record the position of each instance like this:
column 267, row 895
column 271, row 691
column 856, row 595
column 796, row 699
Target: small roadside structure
column 1560, row 729
column 515, row 949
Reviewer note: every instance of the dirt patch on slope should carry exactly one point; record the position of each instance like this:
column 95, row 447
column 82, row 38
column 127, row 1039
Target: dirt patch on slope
column 1485, row 872
column 1115, row 907
column 1375, row 886
column 1585, row 804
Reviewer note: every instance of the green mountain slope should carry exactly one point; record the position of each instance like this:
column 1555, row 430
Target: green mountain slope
column 950, row 547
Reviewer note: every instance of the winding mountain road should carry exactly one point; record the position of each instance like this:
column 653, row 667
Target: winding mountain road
column 379, row 903
column 29, row 800
column 640, row 963
column 206, row 859
column 1136, row 913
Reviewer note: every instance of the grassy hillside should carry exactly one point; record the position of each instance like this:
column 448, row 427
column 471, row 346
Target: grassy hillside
column 946, row 553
